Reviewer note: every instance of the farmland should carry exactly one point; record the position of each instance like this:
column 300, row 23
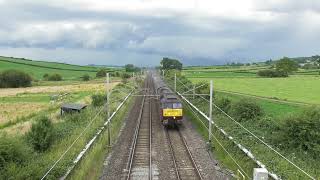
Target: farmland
column 297, row 88
column 38, row 68
column 24, row 107
column 20, row 105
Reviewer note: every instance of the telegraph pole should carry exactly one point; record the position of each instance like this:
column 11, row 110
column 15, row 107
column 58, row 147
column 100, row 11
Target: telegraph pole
column 210, row 111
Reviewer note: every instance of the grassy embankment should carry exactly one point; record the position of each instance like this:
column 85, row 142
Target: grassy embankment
column 297, row 88
column 91, row 166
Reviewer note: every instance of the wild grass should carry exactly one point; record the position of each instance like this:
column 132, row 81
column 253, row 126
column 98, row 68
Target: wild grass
column 91, row 166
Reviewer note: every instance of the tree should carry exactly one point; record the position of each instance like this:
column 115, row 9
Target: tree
column 131, row 68
column 101, row 73
column 269, row 62
column 287, row 65
column 167, row 64
column 316, row 59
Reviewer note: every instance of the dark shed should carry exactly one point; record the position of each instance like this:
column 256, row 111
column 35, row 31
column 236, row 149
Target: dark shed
column 72, row 108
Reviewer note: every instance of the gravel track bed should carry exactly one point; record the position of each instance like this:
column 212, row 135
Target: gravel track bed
column 115, row 163
column 205, row 160
column 161, row 152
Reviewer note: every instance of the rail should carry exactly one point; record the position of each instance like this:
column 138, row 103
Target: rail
column 196, row 170
column 139, row 136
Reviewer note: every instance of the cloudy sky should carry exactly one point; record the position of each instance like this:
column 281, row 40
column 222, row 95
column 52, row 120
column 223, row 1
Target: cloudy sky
column 199, row 32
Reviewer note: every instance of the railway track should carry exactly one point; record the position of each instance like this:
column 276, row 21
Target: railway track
column 184, row 164
column 140, row 159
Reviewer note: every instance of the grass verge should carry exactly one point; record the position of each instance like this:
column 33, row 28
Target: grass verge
column 91, row 166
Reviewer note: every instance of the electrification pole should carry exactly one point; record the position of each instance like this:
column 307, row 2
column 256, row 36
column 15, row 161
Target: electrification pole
column 210, row 111
column 175, row 82
column 108, row 110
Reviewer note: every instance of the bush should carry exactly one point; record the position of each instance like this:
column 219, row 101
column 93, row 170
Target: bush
column 204, row 89
column 272, row 73
column 101, row 73
column 246, row 109
column 12, row 150
column 41, row 134
column 224, row 103
column 301, row 131
column 55, row 77
column 14, row 79
column 125, row 77
column 86, row 77
column 45, row 76
column 98, row 99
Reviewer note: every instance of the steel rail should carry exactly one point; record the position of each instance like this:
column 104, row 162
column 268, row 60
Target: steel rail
column 190, row 154
column 136, row 137
column 195, row 167
column 150, row 139
column 173, row 156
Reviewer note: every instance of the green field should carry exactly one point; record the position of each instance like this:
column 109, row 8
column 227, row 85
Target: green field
column 296, row 89
column 38, row 68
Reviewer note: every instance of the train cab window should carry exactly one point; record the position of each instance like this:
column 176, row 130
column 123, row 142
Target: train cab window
column 167, row 105
column 176, row 105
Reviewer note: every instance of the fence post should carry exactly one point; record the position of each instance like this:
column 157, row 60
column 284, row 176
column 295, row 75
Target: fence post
column 260, row 174
column 210, row 111
column 108, row 110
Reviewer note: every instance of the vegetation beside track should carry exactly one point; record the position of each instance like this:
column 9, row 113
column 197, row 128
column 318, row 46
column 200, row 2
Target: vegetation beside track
column 91, row 166
column 267, row 127
column 20, row 161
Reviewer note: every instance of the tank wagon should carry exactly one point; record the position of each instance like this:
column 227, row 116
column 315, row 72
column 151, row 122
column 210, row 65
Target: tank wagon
column 171, row 110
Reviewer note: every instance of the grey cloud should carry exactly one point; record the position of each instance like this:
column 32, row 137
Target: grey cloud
column 138, row 37
column 288, row 6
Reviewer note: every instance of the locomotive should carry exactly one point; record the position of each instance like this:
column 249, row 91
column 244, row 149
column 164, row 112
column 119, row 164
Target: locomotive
column 171, row 110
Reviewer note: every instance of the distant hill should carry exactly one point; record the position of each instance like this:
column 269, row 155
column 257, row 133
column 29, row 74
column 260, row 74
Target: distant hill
column 38, row 68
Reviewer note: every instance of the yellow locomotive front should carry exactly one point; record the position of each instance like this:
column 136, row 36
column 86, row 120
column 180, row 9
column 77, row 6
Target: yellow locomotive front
column 172, row 113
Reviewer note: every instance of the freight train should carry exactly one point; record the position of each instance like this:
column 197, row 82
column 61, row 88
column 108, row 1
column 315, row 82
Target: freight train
column 171, row 110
